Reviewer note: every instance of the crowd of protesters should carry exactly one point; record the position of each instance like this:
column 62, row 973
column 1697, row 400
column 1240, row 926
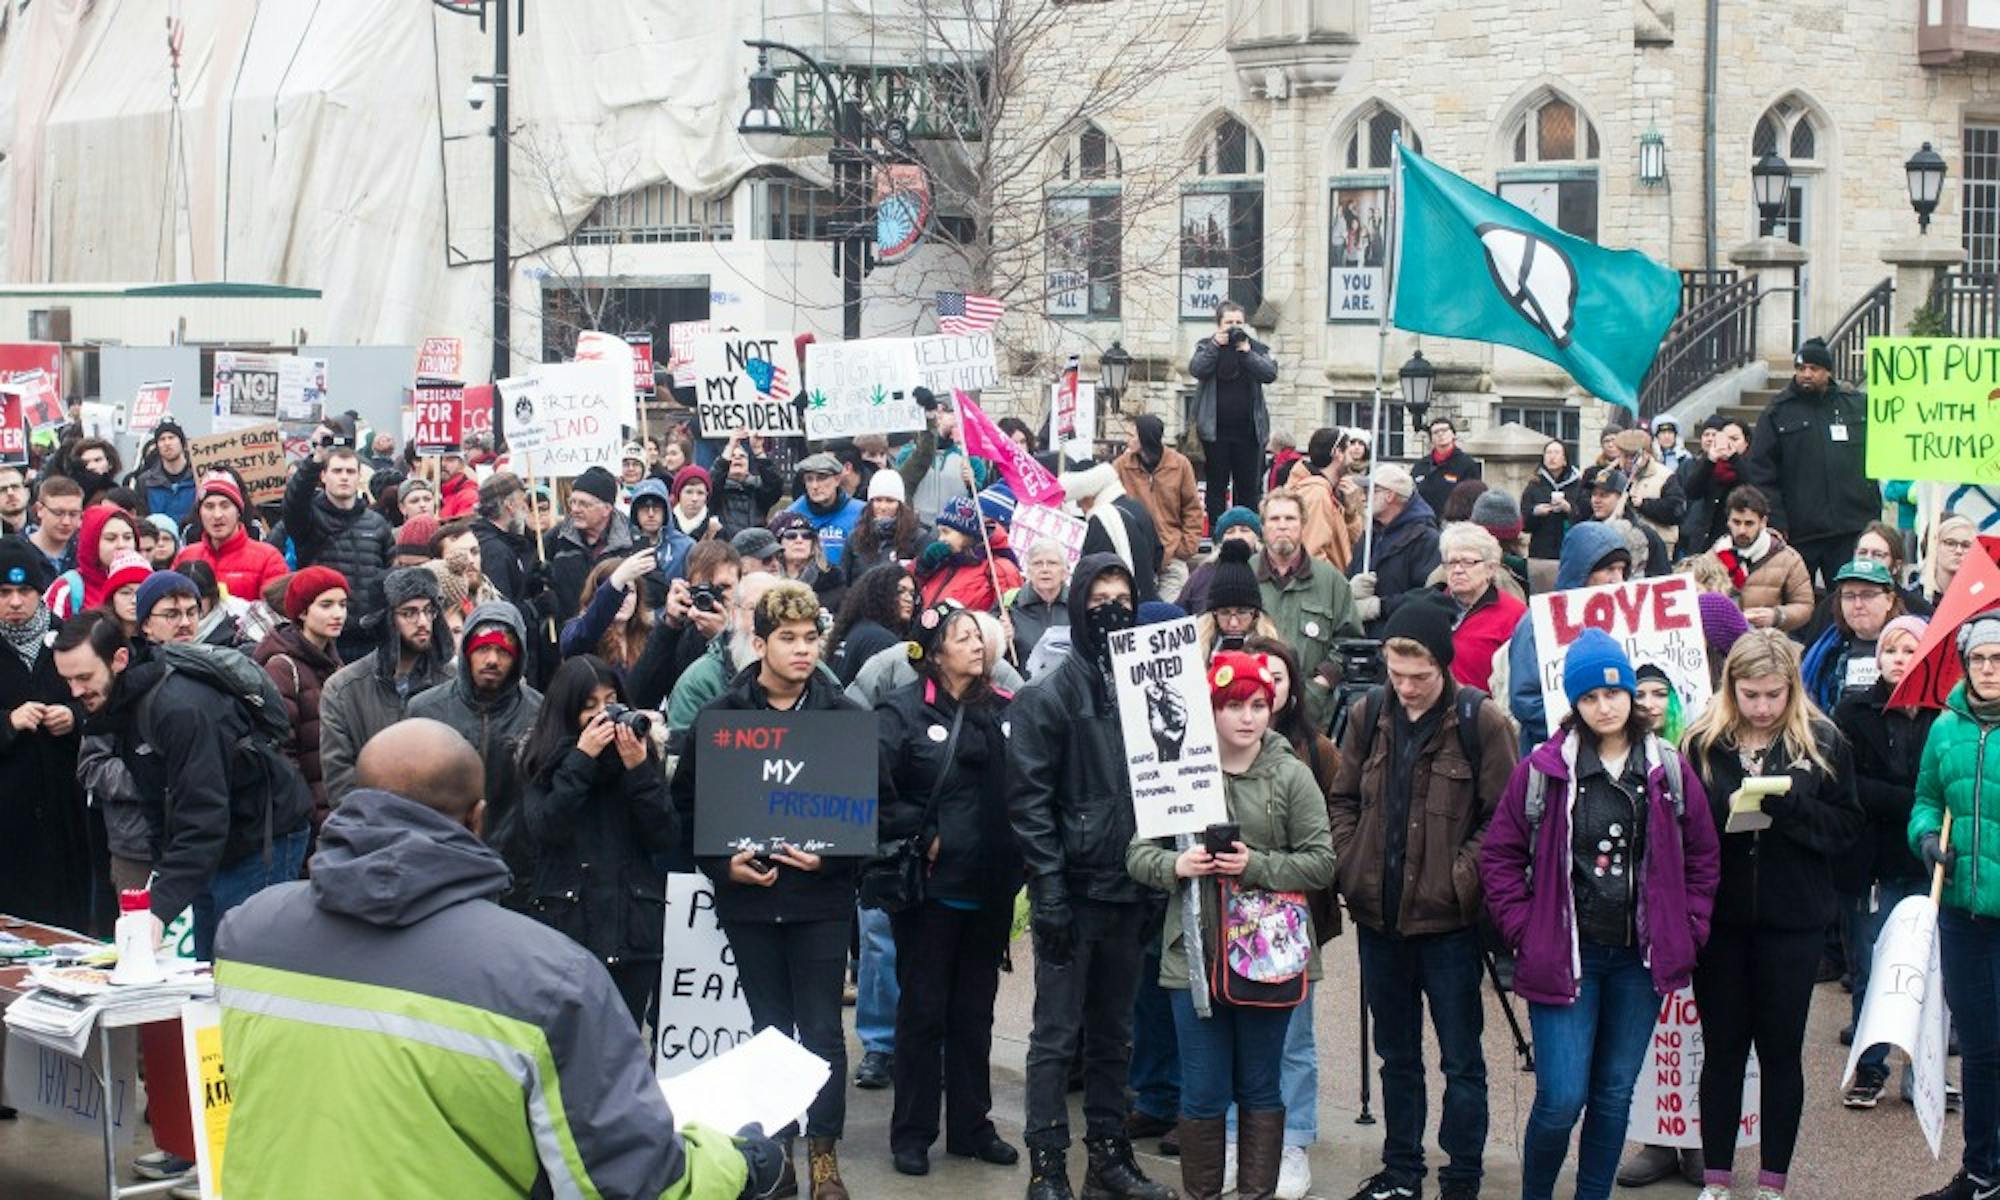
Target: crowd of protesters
column 409, row 679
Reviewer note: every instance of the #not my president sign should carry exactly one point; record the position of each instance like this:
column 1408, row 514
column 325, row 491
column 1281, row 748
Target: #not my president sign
column 1169, row 728
column 772, row 779
column 746, row 383
column 1934, row 409
column 1657, row 621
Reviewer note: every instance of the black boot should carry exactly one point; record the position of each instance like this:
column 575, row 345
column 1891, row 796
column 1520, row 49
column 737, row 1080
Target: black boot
column 1048, row 1174
column 1114, row 1176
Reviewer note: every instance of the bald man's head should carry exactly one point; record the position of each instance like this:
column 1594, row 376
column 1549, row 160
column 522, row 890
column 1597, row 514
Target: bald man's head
column 425, row 761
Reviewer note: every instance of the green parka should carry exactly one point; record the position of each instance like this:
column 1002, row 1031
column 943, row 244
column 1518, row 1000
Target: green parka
column 1282, row 814
column 1961, row 769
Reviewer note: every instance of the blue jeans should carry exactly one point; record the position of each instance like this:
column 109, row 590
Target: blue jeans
column 1970, row 947
column 1862, row 928
column 1155, row 1075
column 875, row 990
column 1587, row 1059
column 1230, row 1056
column 233, row 884
column 1400, row 974
column 1298, row 1080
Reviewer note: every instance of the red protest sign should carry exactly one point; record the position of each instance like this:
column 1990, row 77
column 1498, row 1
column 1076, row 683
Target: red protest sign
column 476, row 418
column 1937, row 668
column 438, row 409
column 149, row 406
column 642, row 361
column 43, row 402
column 441, row 358
column 13, row 430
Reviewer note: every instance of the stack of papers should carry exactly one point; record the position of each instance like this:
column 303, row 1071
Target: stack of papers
column 769, row 1081
column 65, row 1002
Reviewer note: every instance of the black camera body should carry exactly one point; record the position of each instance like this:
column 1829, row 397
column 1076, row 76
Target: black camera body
column 631, row 718
column 1238, row 336
column 706, row 597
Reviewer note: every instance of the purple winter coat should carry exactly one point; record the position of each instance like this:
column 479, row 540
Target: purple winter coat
column 1682, row 864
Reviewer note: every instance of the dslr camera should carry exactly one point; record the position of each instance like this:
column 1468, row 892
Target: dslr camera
column 705, row 597
column 1238, row 336
column 631, row 718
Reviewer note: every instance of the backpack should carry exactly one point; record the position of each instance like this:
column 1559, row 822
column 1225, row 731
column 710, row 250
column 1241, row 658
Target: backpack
column 231, row 672
column 1538, row 788
column 1466, row 703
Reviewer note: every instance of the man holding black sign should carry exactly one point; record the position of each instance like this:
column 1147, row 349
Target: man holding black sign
column 1072, row 812
column 786, row 910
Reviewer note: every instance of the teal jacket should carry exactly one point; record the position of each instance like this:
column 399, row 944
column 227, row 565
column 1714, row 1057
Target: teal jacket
column 1961, row 771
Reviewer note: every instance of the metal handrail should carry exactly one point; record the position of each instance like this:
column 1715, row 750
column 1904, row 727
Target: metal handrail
column 1716, row 335
column 1872, row 316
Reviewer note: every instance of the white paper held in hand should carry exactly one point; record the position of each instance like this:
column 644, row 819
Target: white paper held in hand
column 769, row 1080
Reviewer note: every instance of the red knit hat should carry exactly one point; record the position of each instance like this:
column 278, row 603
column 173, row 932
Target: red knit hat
column 128, row 569
column 691, row 474
column 306, row 586
column 221, row 485
column 416, row 535
column 1236, row 675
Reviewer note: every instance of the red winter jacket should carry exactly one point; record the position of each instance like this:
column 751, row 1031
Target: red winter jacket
column 243, row 565
column 458, row 496
column 1483, row 631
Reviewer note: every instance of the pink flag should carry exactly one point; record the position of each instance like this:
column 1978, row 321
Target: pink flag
column 1030, row 480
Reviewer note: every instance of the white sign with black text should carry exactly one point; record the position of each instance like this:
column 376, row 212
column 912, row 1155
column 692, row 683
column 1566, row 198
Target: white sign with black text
column 702, row 1010
column 1170, row 745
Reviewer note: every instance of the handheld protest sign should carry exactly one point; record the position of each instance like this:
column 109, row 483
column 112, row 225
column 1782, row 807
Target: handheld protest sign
column 1169, row 729
column 702, row 1010
column 803, row 779
column 1934, row 409
column 1657, row 621
column 746, row 383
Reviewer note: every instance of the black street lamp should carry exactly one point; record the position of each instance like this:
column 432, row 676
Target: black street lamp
column 848, row 157
column 1925, row 171
column 502, row 358
column 1771, row 183
column 1418, row 377
column 1114, row 369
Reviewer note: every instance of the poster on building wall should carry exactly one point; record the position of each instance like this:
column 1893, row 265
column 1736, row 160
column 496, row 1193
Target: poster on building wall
column 1358, row 254
column 1204, row 253
column 1656, row 620
column 1069, row 257
column 747, row 383
column 867, row 386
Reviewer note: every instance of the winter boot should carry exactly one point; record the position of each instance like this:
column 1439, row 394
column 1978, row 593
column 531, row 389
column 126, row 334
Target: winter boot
column 1201, row 1157
column 824, row 1167
column 1048, row 1173
column 1260, row 1150
column 1114, row 1176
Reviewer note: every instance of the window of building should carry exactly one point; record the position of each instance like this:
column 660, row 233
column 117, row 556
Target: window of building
column 1979, row 206
column 1553, row 169
column 1085, row 221
column 660, row 212
column 786, row 208
column 1370, row 140
column 1222, row 223
column 1787, row 129
column 1551, row 421
column 1351, row 410
column 1358, row 218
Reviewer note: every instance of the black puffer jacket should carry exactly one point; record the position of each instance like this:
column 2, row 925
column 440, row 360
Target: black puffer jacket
column 742, row 503
column 1071, row 800
column 823, row 895
column 571, row 559
column 977, row 859
column 1817, row 482
column 357, row 542
column 1782, row 877
column 1888, row 747
column 595, row 826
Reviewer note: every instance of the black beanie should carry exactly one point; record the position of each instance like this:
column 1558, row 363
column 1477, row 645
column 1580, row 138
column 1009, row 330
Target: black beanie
column 1152, row 433
column 1813, row 353
column 1426, row 622
column 597, row 482
column 21, row 565
column 1233, row 584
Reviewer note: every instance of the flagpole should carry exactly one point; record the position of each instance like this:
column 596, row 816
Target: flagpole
column 1378, row 443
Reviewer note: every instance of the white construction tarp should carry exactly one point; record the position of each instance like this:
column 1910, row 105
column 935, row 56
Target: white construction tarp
column 331, row 146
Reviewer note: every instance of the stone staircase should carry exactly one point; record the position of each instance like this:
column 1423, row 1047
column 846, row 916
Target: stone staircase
column 1753, row 401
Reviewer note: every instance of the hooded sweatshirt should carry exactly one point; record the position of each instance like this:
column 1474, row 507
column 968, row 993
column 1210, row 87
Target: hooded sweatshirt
column 1583, row 547
column 88, row 585
column 431, row 1063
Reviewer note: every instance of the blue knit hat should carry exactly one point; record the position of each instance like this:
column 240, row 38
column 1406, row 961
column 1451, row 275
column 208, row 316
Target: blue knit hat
column 158, row 586
column 1596, row 660
column 960, row 513
column 1232, row 517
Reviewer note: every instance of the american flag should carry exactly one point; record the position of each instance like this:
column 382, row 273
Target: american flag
column 781, row 385
column 960, row 314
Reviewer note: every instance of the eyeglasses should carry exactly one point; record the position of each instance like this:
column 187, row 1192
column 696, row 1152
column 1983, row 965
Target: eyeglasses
column 796, row 535
column 417, row 612
column 1956, row 543
column 62, row 514
column 1870, row 554
column 1983, row 662
column 1463, row 564
column 178, row 616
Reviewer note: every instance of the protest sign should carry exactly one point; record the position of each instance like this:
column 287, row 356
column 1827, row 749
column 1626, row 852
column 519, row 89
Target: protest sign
column 1169, row 728
column 768, row 1080
column 1933, row 409
column 562, row 419
column 681, row 336
column 1666, row 1099
column 951, row 364
column 67, row 1090
column 13, row 428
column 1657, row 621
column 862, row 387
column 746, row 383
column 267, row 387
column 1074, row 418
column 439, row 408
column 255, row 452
column 1905, row 1008
column 1038, row 522
column 1937, row 667
column 1031, row 481
column 702, row 1010
column 792, row 778
column 37, row 366
column 642, row 361
column 209, row 1098
column 150, row 405
column 100, row 420
column 594, row 345
column 476, row 415
column 301, row 389
column 441, row 358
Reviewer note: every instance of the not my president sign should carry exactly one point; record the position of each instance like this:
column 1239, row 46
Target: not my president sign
column 770, row 779
column 1169, row 728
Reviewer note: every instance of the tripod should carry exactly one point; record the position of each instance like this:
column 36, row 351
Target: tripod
column 1523, row 1049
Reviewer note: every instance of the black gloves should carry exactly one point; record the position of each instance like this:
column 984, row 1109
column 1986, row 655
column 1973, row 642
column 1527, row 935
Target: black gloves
column 1050, row 920
column 765, row 1160
column 1936, row 855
